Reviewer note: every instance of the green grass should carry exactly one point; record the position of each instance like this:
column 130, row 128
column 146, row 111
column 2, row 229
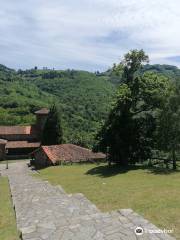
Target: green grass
column 154, row 194
column 8, row 230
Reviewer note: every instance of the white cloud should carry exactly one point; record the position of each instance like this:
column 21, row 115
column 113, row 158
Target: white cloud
column 87, row 34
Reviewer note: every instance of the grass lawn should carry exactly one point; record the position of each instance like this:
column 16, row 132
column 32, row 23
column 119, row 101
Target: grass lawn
column 153, row 194
column 8, row 230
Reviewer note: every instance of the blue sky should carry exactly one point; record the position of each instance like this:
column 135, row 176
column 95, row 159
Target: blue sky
column 87, row 34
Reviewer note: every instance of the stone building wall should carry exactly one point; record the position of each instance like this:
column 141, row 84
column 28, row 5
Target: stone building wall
column 2, row 150
column 41, row 159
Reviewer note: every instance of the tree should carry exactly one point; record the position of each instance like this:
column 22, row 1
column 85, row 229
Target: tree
column 52, row 133
column 127, row 135
column 168, row 131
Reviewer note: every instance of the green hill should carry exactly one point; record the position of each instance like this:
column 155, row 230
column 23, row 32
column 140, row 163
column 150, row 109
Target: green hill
column 85, row 98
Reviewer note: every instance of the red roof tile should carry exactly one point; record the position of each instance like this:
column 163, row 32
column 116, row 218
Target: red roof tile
column 12, row 130
column 70, row 152
column 22, row 144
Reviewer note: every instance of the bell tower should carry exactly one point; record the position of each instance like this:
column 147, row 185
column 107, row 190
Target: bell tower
column 41, row 116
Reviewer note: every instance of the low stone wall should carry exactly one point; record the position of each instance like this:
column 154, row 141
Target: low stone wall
column 16, row 157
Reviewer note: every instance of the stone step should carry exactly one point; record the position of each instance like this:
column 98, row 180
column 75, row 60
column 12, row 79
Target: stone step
column 87, row 227
column 127, row 216
column 99, row 226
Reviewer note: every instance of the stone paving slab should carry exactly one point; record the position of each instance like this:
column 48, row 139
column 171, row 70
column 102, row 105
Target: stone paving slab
column 46, row 212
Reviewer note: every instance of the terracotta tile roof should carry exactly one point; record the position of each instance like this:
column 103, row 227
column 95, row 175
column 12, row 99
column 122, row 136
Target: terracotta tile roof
column 22, row 144
column 12, row 130
column 42, row 111
column 70, row 152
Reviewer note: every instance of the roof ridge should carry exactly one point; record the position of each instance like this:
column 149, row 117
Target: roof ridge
column 70, row 152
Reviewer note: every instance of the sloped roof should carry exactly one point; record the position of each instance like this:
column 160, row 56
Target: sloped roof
column 42, row 111
column 70, row 152
column 22, row 144
column 13, row 130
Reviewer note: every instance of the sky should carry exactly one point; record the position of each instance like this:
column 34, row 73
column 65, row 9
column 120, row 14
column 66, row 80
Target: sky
column 87, row 34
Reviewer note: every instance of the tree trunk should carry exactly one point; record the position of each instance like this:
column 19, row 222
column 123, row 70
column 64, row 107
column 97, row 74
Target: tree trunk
column 124, row 160
column 174, row 159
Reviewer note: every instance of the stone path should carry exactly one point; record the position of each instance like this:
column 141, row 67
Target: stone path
column 46, row 212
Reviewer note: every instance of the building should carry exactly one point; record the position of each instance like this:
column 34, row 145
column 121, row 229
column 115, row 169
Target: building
column 19, row 141
column 63, row 153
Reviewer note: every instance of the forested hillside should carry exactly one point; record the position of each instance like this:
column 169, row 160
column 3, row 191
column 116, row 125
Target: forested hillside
column 85, row 98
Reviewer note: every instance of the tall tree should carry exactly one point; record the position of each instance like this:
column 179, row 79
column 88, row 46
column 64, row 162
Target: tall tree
column 168, row 130
column 52, row 133
column 127, row 135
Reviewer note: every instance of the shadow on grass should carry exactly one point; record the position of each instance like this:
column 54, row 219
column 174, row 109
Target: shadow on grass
column 162, row 171
column 109, row 171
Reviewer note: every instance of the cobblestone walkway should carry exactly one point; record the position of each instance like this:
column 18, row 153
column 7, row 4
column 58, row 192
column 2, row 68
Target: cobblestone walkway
column 46, row 212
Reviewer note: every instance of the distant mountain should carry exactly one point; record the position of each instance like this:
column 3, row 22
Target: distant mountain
column 85, row 98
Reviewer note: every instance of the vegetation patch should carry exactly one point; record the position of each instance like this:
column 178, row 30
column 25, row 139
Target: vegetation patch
column 8, row 230
column 85, row 98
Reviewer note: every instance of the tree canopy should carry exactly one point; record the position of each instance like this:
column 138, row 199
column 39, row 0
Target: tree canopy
column 168, row 127
column 128, row 134
column 52, row 132
column 85, row 98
